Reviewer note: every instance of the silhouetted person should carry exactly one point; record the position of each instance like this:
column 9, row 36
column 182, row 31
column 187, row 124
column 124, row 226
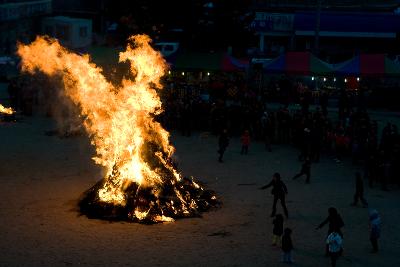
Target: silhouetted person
column 335, row 223
column 305, row 145
column 375, row 229
column 287, row 246
column 323, row 101
column 245, row 140
column 223, row 143
column 186, row 118
column 359, row 194
column 277, row 231
column 268, row 130
column 279, row 190
column 334, row 243
column 305, row 170
column 371, row 169
column 316, row 141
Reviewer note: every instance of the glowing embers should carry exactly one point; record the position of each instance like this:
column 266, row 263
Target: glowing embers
column 150, row 205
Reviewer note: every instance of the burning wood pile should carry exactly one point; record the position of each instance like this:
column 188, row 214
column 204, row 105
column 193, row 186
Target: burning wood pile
column 175, row 199
column 141, row 183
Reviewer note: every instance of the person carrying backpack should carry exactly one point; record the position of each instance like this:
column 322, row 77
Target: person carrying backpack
column 334, row 242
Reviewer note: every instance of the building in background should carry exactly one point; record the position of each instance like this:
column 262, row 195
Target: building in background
column 20, row 21
column 334, row 30
column 74, row 33
column 94, row 10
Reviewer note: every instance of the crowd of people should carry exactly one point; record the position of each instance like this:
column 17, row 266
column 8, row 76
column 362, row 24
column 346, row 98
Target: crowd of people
column 228, row 105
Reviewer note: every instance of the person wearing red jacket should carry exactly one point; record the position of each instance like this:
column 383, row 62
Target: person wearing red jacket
column 245, row 140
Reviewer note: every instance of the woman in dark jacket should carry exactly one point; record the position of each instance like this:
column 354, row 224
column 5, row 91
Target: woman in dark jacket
column 223, row 143
column 335, row 221
column 279, row 190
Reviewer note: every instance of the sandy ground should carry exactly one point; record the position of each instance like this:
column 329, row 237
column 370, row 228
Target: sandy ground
column 42, row 177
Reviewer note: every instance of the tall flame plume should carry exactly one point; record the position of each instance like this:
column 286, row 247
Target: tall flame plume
column 133, row 148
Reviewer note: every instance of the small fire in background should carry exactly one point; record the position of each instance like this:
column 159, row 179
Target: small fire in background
column 4, row 110
column 141, row 182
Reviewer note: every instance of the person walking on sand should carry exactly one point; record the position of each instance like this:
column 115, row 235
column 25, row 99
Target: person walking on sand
column 305, row 170
column 277, row 231
column 279, row 190
column 375, row 229
column 287, row 246
column 359, row 194
column 223, row 143
column 245, row 140
column 334, row 242
column 335, row 224
column 335, row 221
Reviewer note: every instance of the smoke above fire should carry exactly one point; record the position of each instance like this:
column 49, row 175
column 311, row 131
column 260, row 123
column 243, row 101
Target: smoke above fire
column 130, row 144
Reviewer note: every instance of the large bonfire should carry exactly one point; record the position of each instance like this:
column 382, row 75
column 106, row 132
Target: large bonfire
column 141, row 183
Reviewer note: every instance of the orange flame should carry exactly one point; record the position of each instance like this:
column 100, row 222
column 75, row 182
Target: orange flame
column 118, row 119
column 5, row 110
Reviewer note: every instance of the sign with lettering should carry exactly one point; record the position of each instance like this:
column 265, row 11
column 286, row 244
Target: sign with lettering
column 18, row 10
column 273, row 22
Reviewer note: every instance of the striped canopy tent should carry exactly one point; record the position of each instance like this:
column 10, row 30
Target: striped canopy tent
column 300, row 63
column 230, row 63
column 276, row 65
column 207, row 62
column 297, row 63
column 368, row 65
column 391, row 67
column 349, row 67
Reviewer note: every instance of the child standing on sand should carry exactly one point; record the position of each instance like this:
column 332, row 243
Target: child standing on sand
column 375, row 229
column 278, row 230
column 334, row 242
column 287, row 246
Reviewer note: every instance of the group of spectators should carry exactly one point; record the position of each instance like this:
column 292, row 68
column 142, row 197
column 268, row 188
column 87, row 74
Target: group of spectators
column 231, row 105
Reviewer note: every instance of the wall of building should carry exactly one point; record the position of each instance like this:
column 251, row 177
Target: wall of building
column 71, row 32
column 20, row 21
column 334, row 34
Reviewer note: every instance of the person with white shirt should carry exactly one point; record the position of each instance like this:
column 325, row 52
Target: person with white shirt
column 334, row 242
